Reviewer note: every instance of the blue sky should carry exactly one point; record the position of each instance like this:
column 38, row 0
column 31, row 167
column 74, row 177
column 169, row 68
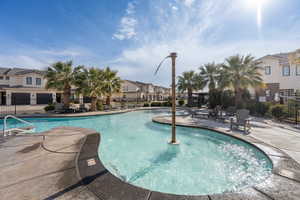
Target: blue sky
column 133, row 36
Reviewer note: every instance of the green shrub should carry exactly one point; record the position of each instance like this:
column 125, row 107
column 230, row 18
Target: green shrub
column 278, row 111
column 146, row 104
column 50, row 107
column 181, row 102
column 155, row 104
column 262, row 108
column 258, row 108
column 100, row 106
column 167, row 104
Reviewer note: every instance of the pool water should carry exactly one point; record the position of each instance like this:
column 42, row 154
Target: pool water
column 135, row 149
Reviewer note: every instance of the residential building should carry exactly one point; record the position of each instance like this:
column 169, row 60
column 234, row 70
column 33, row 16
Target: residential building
column 24, row 87
column 281, row 75
column 139, row 91
column 19, row 86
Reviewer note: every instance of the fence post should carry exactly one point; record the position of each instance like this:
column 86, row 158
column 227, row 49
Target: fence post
column 15, row 105
column 296, row 112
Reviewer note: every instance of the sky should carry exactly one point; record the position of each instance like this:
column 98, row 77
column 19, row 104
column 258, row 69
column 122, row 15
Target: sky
column 133, row 36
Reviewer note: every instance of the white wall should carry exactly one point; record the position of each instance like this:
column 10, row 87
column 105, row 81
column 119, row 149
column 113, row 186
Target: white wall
column 286, row 82
column 129, row 87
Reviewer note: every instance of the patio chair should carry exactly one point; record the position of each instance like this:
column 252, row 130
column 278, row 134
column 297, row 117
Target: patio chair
column 242, row 119
column 230, row 111
column 217, row 113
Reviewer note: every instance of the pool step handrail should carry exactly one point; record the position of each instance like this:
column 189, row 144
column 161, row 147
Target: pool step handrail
column 19, row 130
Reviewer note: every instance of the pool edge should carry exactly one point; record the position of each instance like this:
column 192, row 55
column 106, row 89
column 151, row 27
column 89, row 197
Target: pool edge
column 106, row 186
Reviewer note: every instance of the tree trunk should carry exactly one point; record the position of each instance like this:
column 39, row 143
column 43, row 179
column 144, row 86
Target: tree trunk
column 66, row 97
column 93, row 103
column 108, row 100
column 238, row 98
column 190, row 97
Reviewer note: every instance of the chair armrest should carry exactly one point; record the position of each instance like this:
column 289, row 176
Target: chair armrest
column 248, row 120
column 231, row 119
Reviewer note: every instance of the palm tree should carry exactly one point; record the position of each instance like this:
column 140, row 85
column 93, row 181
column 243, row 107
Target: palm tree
column 240, row 72
column 210, row 73
column 190, row 81
column 91, row 83
column 61, row 76
column 112, row 83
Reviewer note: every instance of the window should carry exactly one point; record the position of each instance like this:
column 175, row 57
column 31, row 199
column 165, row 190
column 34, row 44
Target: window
column 29, row 80
column 286, row 70
column 297, row 70
column 267, row 70
column 1, row 77
column 7, row 78
column 38, row 81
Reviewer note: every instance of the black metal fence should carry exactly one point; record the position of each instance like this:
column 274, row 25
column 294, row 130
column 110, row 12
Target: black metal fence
column 293, row 109
column 24, row 104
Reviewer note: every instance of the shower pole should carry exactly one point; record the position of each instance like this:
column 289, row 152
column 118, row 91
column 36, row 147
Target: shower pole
column 173, row 57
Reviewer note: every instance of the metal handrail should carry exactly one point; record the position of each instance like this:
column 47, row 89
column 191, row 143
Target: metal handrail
column 17, row 129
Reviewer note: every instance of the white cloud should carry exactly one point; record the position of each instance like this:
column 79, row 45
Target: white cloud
column 22, row 61
column 130, row 8
column 128, row 23
column 192, row 31
column 65, row 52
column 28, row 57
column 174, row 8
column 188, row 2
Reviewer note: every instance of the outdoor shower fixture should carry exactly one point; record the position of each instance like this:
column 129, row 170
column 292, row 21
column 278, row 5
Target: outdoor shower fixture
column 173, row 57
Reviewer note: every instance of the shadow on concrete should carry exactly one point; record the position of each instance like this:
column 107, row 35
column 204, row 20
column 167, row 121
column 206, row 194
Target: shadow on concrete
column 85, row 181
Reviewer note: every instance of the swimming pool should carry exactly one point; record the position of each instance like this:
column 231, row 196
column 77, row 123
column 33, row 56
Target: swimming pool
column 135, row 149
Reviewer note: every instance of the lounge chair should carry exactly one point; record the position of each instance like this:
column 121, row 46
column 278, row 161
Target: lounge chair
column 115, row 108
column 106, row 107
column 199, row 113
column 242, row 119
column 82, row 108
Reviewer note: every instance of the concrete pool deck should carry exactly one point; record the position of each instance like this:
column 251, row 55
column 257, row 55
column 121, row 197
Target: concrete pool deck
column 42, row 166
column 49, row 166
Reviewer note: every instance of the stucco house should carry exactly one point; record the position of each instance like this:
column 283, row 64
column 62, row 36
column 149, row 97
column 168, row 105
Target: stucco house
column 281, row 75
column 139, row 91
column 20, row 86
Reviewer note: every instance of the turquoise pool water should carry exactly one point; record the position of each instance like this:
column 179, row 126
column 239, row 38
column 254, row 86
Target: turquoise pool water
column 135, row 149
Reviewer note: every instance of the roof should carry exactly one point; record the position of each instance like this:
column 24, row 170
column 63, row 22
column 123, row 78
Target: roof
column 19, row 71
column 138, row 83
column 3, row 70
column 283, row 58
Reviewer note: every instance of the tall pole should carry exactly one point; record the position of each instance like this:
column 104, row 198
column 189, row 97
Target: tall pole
column 173, row 140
